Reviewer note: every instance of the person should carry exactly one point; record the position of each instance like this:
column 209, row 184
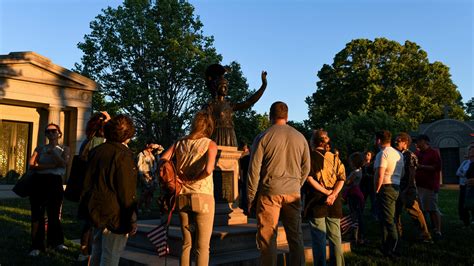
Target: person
column 464, row 214
column 49, row 163
column 147, row 170
column 110, row 185
column 428, row 181
column 95, row 137
column 407, row 198
column 279, row 165
column 389, row 167
column 324, row 203
column 354, row 195
column 222, row 109
column 195, row 159
column 244, row 167
column 367, row 182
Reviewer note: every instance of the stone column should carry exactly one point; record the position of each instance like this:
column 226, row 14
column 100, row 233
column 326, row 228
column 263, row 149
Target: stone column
column 83, row 115
column 226, row 190
column 54, row 114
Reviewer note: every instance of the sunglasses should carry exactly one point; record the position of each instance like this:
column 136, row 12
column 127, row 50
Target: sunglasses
column 51, row 131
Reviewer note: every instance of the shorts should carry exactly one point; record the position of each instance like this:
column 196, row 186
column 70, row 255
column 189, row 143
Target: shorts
column 428, row 200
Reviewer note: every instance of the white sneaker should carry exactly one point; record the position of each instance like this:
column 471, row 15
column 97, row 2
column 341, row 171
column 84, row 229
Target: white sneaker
column 34, row 253
column 61, row 247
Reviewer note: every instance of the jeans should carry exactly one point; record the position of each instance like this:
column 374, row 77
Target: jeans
column 320, row 228
column 48, row 196
column 107, row 247
column 196, row 213
column 386, row 200
column 269, row 209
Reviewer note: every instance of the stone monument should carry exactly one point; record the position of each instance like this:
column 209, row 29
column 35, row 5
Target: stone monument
column 226, row 173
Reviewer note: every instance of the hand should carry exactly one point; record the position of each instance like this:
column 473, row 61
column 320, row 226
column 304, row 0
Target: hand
column 330, row 199
column 264, row 76
column 107, row 116
column 470, row 182
column 134, row 229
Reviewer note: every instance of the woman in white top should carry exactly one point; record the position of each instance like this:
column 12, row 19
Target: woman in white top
column 195, row 160
column 49, row 163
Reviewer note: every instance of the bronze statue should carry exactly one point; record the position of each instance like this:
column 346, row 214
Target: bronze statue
column 222, row 110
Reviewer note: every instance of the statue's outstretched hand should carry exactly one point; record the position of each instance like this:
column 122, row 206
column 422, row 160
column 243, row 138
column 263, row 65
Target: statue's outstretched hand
column 264, row 76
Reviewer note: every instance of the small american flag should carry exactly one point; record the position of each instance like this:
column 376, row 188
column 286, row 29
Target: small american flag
column 159, row 237
column 347, row 223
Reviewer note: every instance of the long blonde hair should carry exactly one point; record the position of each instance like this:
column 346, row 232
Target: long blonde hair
column 202, row 125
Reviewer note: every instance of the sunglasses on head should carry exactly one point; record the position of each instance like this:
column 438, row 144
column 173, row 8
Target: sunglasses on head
column 51, row 130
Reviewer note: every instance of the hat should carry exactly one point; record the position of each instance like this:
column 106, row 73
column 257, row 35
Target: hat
column 214, row 71
column 422, row 137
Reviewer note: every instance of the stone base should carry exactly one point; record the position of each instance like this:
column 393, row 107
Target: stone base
column 230, row 245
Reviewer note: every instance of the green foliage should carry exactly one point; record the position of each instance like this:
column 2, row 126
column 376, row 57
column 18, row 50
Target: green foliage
column 148, row 58
column 470, row 108
column 387, row 76
column 356, row 133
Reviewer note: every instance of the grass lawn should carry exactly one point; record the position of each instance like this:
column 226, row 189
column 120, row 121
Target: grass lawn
column 457, row 247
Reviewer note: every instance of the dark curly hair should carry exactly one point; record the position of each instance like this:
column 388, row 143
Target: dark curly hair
column 119, row 129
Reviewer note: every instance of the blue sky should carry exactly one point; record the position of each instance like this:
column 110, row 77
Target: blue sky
column 291, row 40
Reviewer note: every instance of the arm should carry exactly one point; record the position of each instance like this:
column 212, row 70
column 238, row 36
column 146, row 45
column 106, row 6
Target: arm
column 255, row 97
column 305, row 164
column 341, row 178
column 333, row 196
column 126, row 184
column 61, row 160
column 379, row 173
column 434, row 164
column 318, row 186
column 211, row 161
column 167, row 154
column 254, row 171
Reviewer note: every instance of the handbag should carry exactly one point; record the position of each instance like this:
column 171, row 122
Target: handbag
column 24, row 186
column 75, row 181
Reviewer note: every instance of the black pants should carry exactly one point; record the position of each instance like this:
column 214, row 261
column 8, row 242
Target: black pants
column 47, row 196
column 464, row 214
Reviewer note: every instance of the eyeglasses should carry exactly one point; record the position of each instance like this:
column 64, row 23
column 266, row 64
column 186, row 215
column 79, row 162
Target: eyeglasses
column 51, row 131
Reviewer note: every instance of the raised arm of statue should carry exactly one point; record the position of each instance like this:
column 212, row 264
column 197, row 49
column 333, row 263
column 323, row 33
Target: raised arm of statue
column 255, row 97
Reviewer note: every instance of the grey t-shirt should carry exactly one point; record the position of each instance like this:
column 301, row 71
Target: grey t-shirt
column 279, row 162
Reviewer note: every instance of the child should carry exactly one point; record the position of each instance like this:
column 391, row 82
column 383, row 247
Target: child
column 353, row 195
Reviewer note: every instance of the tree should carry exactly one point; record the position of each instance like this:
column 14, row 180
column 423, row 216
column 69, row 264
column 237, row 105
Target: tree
column 386, row 76
column 470, row 108
column 148, row 58
column 356, row 132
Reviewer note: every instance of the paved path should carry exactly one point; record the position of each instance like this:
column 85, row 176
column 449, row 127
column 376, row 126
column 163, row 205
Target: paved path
column 6, row 192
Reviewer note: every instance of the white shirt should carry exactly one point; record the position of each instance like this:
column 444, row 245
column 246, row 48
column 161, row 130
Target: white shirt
column 461, row 172
column 392, row 160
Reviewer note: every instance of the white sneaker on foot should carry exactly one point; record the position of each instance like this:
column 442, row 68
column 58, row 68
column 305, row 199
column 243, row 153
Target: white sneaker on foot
column 61, row 247
column 34, row 253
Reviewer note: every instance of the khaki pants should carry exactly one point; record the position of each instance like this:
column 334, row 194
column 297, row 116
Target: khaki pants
column 408, row 201
column 269, row 209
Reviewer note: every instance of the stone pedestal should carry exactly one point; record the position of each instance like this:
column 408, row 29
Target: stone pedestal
column 226, row 188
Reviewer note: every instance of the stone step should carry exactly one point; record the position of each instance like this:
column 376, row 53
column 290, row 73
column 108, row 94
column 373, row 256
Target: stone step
column 230, row 245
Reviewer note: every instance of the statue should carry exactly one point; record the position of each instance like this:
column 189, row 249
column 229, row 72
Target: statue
column 221, row 109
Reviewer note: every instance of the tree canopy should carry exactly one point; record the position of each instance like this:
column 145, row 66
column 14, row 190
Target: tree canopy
column 148, row 58
column 383, row 75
